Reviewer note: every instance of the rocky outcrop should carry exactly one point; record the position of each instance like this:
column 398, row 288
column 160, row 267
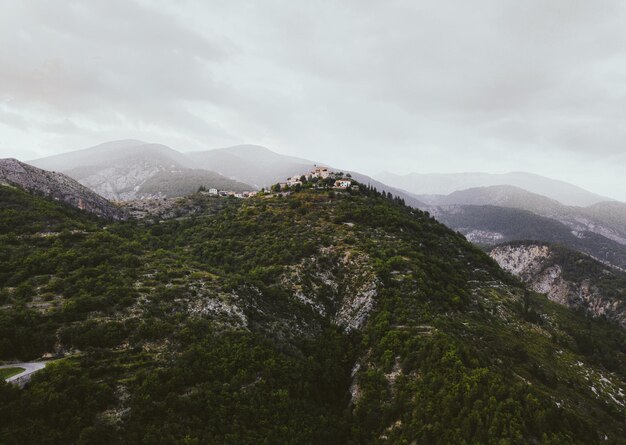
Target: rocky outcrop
column 561, row 275
column 56, row 186
column 340, row 285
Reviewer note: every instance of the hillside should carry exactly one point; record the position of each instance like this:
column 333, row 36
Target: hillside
column 320, row 316
column 567, row 277
column 607, row 219
column 447, row 183
column 186, row 182
column 56, row 186
column 490, row 225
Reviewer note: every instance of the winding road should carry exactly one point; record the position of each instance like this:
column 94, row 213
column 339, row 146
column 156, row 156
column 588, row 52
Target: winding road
column 24, row 376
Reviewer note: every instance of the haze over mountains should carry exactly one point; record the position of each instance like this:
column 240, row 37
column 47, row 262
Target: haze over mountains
column 126, row 169
column 495, row 209
column 130, row 169
column 446, row 183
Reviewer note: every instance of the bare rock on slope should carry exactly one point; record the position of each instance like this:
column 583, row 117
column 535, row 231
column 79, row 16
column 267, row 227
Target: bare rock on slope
column 56, row 186
column 567, row 277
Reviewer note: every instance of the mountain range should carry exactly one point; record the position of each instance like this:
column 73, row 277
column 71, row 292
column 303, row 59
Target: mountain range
column 447, row 183
column 490, row 215
column 130, row 169
column 508, row 207
column 334, row 316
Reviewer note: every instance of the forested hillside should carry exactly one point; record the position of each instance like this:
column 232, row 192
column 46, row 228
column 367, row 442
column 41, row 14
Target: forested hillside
column 316, row 316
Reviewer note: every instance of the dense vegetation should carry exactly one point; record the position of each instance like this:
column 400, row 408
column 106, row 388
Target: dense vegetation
column 249, row 322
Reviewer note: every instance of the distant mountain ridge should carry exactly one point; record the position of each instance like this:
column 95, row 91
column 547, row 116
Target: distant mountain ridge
column 130, row 169
column 447, row 183
column 127, row 169
column 607, row 219
column 490, row 225
column 250, row 163
column 56, row 186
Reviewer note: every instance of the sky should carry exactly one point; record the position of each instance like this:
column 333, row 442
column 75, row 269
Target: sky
column 400, row 86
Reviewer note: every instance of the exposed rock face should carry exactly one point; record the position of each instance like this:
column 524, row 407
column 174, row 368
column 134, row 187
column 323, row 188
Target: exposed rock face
column 543, row 269
column 119, row 182
column 56, row 186
column 342, row 285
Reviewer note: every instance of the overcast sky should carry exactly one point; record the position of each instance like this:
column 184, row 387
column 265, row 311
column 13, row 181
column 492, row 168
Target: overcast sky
column 425, row 86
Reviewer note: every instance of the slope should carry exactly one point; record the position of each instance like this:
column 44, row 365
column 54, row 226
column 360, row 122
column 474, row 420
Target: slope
column 567, row 277
column 317, row 317
column 56, row 186
column 601, row 221
column 490, row 225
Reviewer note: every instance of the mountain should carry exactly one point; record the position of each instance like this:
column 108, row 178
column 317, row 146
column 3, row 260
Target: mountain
column 184, row 182
column 253, row 164
column 500, row 195
column 567, row 277
column 321, row 316
column 56, row 186
column 112, row 153
column 607, row 219
column 130, row 169
column 446, row 183
column 490, row 225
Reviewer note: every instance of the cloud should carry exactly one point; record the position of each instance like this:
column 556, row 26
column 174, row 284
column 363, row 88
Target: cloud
column 434, row 86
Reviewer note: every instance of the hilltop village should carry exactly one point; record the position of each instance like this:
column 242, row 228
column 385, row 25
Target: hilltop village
column 319, row 177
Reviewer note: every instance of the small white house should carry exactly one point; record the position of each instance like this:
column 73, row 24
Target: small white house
column 342, row 183
column 213, row 192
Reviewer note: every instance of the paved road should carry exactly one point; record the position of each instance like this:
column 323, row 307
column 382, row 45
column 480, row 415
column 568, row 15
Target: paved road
column 24, row 376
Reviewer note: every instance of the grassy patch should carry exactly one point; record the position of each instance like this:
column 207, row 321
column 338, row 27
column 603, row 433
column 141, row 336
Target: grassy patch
column 5, row 373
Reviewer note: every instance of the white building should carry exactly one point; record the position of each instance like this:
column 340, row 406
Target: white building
column 213, row 192
column 342, row 183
